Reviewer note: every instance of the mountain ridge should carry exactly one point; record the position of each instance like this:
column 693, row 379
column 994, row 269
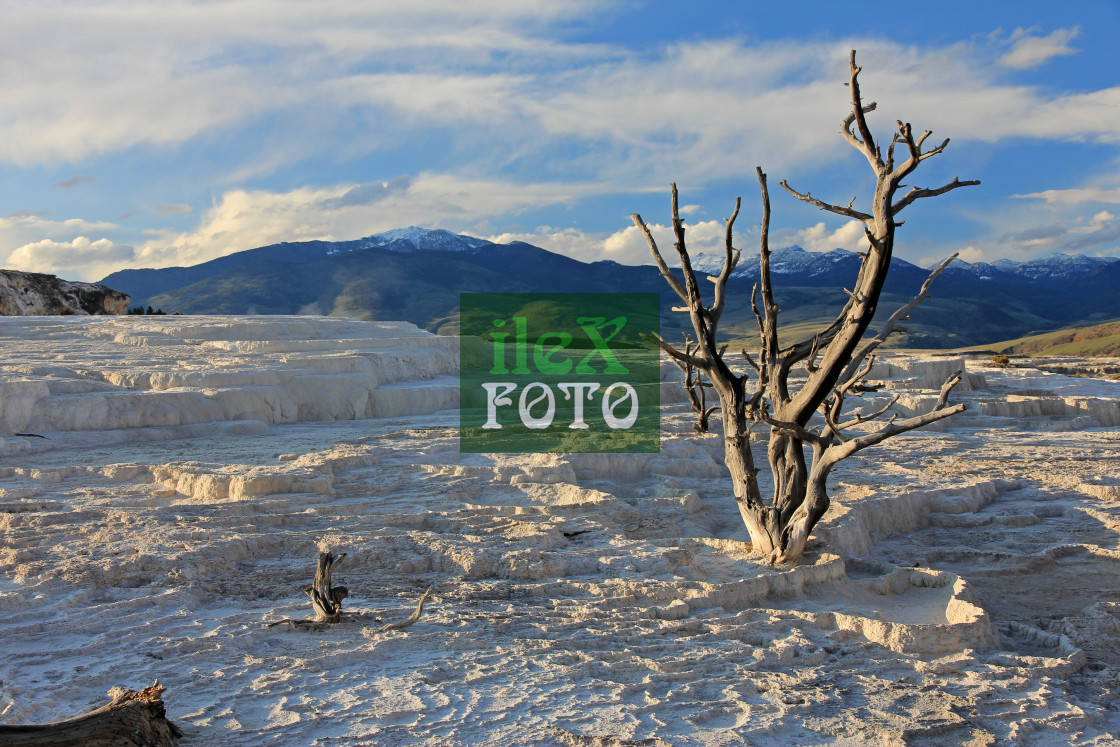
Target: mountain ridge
column 415, row 274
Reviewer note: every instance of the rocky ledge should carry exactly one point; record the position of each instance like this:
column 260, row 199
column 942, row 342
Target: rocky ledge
column 38, row 294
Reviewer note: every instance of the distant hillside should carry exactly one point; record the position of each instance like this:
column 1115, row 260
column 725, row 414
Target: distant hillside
column 1099, row 340
column 416, row 275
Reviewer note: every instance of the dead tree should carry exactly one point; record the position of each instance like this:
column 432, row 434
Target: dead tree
column 325, row 599
column 695, row 385
column 131, row 718
column 835, row 362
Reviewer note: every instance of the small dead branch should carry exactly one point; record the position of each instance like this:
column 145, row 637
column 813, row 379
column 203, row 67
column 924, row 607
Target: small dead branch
column 694, row 384
column 411, row 618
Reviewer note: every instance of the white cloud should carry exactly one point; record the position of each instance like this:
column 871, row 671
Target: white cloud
column 626, row 246
column 245, row 219
column 1077, row 196
column 96, row 78
column 818, row 238
column 79, row 259
column 1023, row 231
column 571, row 242
column 1031, row 51
column 968, row 254
column 362, row 77
column 23, row 229
column 1101, row 230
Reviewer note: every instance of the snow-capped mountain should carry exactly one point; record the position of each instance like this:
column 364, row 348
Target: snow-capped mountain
column 1056, row 267
column 428, row 239
column 794, row 260
column 789, row 260
column 408, row 239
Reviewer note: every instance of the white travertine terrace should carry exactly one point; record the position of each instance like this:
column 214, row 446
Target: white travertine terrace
column 126, row 374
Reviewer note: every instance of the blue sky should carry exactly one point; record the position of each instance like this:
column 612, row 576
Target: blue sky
column 138, row 134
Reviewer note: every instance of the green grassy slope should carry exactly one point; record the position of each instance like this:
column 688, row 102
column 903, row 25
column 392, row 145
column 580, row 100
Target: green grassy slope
column 1098, row 340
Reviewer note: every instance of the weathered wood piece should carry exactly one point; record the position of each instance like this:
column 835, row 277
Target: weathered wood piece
column 411, row 618
column 326, row 600
column 132, row 719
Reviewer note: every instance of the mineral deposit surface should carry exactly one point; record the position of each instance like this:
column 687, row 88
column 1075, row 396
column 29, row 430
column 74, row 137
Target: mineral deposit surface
column 176, row 477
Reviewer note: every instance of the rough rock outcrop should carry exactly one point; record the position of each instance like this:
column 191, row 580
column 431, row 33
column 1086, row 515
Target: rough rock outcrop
column 37, row 294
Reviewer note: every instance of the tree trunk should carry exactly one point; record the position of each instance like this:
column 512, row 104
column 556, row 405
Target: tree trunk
column 132, row 719
column 326, row 600
column 809, row 511
column 739, row 459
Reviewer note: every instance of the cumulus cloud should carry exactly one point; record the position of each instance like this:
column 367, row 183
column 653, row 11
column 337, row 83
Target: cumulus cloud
column 818, row 238
column 1100, row 231
column 79, row 259
column 967, row 254
column 626, row 246
column 1028, row 50
column 24, row 227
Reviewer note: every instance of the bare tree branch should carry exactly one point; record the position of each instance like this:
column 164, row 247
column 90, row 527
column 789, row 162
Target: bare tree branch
column 792, row 429
column 730, row 260
column 846, row 127
column 939, row 412
column 770, row 322
column 866, row 142
column 657, row 258
column 411, row 619
column 860, row 417
column 691, row 360
column 892, row 324
column 917, row 194
column 808, row 198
